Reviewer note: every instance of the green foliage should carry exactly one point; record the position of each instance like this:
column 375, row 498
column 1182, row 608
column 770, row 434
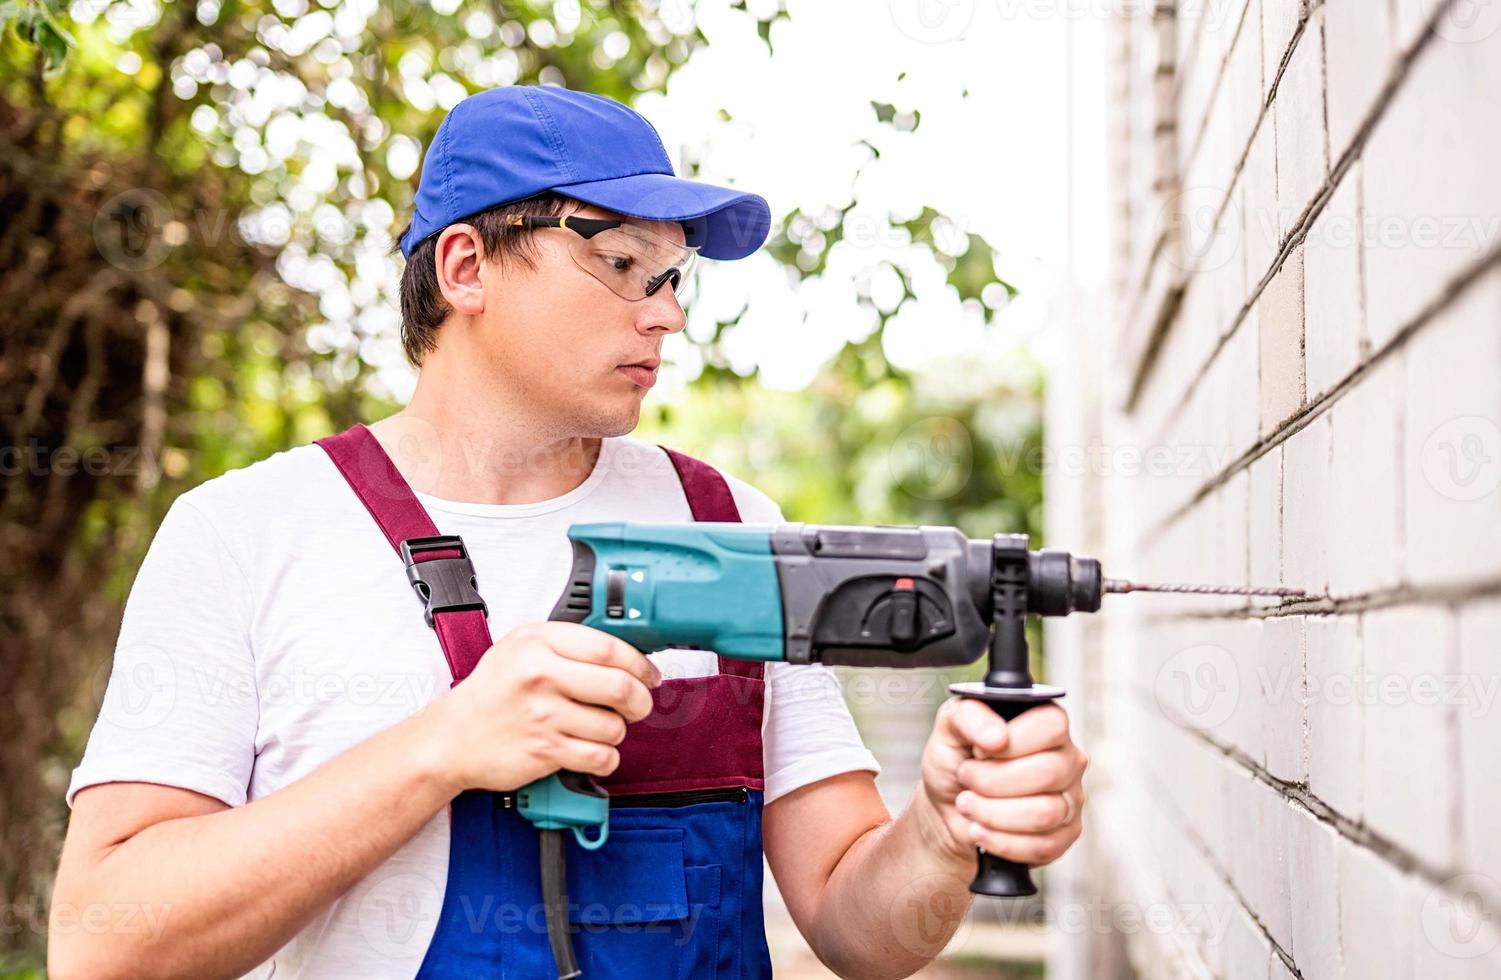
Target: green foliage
column 866, row 445
column 37, row 24
column 200, row 202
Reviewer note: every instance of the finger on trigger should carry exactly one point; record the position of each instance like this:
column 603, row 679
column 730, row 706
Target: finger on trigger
column 609, row 687
column 597, row 646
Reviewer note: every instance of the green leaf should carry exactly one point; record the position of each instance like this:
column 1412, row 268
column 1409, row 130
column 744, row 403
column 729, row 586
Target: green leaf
column 35, row 24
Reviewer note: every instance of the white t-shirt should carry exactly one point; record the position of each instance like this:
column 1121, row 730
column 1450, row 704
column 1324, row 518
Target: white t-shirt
column 271, row 627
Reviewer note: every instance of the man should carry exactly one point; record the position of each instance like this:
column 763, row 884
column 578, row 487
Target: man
column 268, row 785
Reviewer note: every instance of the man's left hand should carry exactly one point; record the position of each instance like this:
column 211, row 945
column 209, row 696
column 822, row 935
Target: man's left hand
column 1014, row 788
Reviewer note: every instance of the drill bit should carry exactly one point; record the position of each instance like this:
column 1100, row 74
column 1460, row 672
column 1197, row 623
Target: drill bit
column 1124, row 585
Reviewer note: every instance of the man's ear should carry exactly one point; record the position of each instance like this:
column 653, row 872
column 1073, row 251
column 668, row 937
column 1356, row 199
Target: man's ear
column 459, row 255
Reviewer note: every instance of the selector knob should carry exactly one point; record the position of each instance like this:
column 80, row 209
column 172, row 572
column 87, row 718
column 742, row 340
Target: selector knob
column 904, row 623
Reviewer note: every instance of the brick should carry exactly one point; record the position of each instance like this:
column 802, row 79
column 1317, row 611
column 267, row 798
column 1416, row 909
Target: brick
column 1452, row 441
column 1229, row 279
column 1457, row 929
column 1207, row 176
column 1298, row 109
column 1227, row 542
column 1258, row 203
column 1314, row 896
column 1279, row 314
column 1283, row 713
column 1224, row 777
column 1205, row 680
column 1248, row 956
column 1279, row 19
column 1336, row 723
column 1206, row 907
column 1333, row 302
column 1363, row 535
column 1196, row 779
column 1463, row 22
column 1261, row 851
column 1306, row 507
column 1243, row 641
column 1243, row 80
column 1360, row 54
column 1265, row 535
column 1240, row 393
column 1377, row 918
column 1410, row 18
column 1479, row 628
column 1409, row 771
column 1197, row 68
column 1432, row 203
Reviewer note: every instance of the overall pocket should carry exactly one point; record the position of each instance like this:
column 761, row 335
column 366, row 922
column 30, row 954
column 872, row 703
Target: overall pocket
column 639, row 910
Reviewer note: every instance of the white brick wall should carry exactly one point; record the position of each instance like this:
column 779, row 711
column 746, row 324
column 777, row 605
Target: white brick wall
column 1312, row 786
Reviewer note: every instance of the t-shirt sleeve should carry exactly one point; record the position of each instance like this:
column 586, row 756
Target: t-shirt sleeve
column 808, row 733
column 180, row 706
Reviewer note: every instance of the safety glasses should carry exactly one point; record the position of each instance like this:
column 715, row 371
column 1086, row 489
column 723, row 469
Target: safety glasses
column 630, row 260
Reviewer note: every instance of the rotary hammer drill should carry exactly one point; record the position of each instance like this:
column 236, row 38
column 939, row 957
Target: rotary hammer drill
column 882, row 596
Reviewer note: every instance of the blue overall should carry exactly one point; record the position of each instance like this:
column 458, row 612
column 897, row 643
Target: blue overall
column 676, row 889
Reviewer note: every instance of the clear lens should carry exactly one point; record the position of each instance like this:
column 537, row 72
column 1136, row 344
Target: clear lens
column 636, row 263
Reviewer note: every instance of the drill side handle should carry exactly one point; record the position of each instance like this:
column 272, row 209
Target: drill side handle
column 997, row 876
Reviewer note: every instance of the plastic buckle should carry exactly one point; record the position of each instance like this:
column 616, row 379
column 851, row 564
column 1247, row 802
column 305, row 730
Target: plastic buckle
column 443, row 584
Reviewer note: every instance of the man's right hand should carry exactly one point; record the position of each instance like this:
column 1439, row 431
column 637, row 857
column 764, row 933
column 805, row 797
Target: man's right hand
column 547, row 696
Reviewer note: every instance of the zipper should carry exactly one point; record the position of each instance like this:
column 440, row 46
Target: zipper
column 731, row 794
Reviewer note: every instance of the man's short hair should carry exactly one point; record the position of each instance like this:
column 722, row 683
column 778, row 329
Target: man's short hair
column 423, row 308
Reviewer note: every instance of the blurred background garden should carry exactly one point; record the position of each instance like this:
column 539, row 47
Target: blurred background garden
column 197, row 204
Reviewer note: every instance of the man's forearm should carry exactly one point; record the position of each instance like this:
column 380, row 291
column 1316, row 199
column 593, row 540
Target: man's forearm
column 895, row 898
column 225, row 890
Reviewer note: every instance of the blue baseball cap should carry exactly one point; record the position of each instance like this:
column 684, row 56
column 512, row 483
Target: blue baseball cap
column 510, row 143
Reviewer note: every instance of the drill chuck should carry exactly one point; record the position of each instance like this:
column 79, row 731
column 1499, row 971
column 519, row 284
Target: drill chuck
column 1057, row 583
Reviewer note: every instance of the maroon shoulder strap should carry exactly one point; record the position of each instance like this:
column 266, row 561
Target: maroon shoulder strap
column 464, row 634
column 709, row 496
